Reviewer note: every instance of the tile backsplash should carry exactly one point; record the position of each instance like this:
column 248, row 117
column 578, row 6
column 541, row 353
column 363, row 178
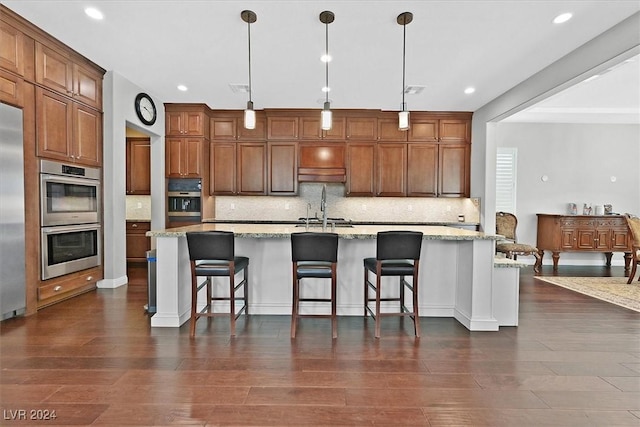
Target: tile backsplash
column 138, row 207
column 382, row 209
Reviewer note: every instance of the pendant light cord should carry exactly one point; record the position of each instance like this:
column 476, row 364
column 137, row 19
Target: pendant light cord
column 326, row 57
column 249, row 44
column 404, row 47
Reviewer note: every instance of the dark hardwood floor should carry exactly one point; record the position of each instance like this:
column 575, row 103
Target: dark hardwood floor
column 94, row 360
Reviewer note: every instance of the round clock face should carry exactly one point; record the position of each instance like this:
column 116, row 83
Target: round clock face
column 145, row 109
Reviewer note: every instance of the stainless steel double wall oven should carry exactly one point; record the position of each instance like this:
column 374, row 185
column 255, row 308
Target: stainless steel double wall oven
column 69, row 218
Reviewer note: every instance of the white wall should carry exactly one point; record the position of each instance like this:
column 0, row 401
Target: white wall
column 579, row 161
column 119, row 95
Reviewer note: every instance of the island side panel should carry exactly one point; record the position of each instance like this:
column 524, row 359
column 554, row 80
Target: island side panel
column 173, row 282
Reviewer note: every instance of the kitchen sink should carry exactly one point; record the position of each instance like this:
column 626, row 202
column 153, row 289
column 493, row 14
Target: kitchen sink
column 316, row 222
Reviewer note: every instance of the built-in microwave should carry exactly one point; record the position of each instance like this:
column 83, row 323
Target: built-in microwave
column 70, row 248
column 69, row 194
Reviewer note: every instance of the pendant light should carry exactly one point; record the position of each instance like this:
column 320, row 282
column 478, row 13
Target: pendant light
column 403, row 116
column 326, row 120
column 249, row 17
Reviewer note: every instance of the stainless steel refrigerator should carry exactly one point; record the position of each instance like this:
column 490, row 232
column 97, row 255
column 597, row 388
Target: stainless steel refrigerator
column 12, row 248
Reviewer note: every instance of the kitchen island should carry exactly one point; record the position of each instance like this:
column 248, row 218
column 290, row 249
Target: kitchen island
column 455, row 280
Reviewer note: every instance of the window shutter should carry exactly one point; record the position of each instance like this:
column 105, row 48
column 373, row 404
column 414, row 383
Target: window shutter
column 506, row 160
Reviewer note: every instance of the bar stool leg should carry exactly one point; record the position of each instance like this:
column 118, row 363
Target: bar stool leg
column 378, row 282
column 334, row 319
column 194, row 301
column 232, row 301
column 294, row 306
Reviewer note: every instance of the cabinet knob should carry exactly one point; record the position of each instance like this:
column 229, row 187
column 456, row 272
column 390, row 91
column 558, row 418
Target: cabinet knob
column 89, row 278
column 134, row 226
column 57, row 288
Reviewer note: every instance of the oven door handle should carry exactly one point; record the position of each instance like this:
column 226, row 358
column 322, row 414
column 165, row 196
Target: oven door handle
column 70, row 180
column 70, row 228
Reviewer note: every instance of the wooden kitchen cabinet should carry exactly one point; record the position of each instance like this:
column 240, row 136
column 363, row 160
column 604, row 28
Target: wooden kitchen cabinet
column 67, row 286
column 282, row 127
column 361, row 170
column 138, row 166
column 362, row 128
column 224, row 128
column 584, row 233
column 12, row 49
column 310, row 128
column 222, row 174
column 454, row 170
column 11, row 88
column 388, row 129
column 251, row 168
column 238, row 168
column 186, row 120
column 62, row 73
column 137, row 242
column 282, row 157
column 259, row 133
column 67, row 130
column 184, row 157
column 456, row 131
column 391, row 169
column 422, row 170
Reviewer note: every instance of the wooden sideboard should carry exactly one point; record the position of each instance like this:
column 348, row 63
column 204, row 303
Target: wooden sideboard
column 584, row 233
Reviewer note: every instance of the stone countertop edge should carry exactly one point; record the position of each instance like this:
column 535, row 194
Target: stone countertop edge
column 431, row 232
column 233, row 221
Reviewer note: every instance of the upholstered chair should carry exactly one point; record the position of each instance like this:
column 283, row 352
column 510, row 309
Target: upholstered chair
column 506, row 224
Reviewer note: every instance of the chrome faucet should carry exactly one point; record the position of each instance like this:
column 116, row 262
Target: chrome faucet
column 307, row 223
column 323, row 207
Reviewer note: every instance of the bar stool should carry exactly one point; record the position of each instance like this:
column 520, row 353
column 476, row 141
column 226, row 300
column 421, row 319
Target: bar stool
column 397, row 254
column 314, row 255
column 212, row 255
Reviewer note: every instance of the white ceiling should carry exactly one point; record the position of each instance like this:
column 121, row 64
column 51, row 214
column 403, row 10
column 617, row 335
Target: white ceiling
column 490, row 45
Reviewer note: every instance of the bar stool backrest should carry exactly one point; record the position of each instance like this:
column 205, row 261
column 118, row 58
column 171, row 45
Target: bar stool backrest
column 398, row 245
column 211, row 245
column 311, row 246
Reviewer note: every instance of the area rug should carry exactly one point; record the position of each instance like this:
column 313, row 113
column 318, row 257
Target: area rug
column 611, row 289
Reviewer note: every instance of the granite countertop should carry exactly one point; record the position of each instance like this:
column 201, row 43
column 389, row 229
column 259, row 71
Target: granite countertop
column 285, row 221
column 269, row 230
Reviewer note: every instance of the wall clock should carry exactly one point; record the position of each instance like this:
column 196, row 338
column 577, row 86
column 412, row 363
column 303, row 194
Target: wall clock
column 145, row 109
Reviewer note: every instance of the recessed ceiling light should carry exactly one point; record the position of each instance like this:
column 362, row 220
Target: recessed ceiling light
column 94, row 13
column 326, row 58
column 469, row 90
column 563, row 17
column 183, row 88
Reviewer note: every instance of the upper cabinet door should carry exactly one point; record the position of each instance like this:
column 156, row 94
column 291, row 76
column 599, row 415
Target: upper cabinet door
column 223, row 128
column 310, row 129
column 62, row 74
column 54, row 70
column 87, row 86
column 455, row 131
column 282, row 128
column 11, row 49
column 186, row 123
column 423, row 130
column 388, row 130
column 362, row 128
column 259, row 133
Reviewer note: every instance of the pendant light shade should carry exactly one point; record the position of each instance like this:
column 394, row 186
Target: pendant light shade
column 249, row 116
column 403, row 116
column 326, row 119
column 249, row 17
